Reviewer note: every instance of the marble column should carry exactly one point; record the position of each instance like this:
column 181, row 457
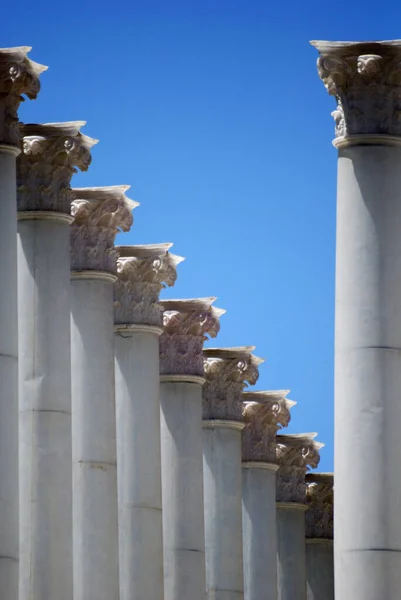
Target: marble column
column 50, row 154
column 187, row 324
column 264, row 413
column 18, row 76
column 365, row 79
column 99, row 213
column 142, row 272
column 227, row 371
column 295, row 454
column 319, row 536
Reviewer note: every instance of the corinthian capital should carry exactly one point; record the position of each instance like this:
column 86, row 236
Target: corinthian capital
column 264, row 414
column 186, row 326
column 319, row 500
column 99, row 214
column 227, row 372
column 365, row 79
column 295, row 455
column 18, row 75
column 49, row 158
column 142, row 272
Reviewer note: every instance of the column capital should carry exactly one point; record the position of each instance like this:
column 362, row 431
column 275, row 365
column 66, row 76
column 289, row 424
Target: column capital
column 227, row 372
column 99, row 214
column 187, row 324
column 18, row 75
column 295, row 454
column 142, row 271
column 264, row 412
column 50, row 154
column 319, row 500
column 365, row 79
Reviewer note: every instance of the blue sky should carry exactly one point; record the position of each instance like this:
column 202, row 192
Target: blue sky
column 213, row 112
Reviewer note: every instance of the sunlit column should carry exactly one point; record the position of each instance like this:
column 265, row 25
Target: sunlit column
column 227, row 371
column 99, row 213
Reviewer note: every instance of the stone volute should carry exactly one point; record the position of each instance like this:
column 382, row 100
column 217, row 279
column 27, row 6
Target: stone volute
column 365, row 79
column 99, row 214
column 295, row 455
column 320, row 501
column 187, row 324
column 264, row 412
column 18, row 75
column 50, row 155
column 227, row 372
column 142, row 272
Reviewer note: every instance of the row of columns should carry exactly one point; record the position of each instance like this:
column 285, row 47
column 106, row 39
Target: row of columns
column 144, row 466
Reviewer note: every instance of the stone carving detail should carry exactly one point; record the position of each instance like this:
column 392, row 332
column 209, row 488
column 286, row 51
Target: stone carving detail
column 227, row 371
column 365, row 79
column 18, row 75
column 99, row 214
column 49, row 157
column 142, row 272
column 295, row 454
column 320, row 500
column 186, row 326
column 264, row 413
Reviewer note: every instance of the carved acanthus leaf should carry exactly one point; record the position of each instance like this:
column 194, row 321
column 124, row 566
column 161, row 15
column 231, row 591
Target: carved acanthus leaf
column 142, row 272
column 365, row 79
column 18, row 75
column 320, row 500
column 227, row 371
column 264, row 413
column 186, row 326
column 49, row 157
column 295, row 454
column 99, row 214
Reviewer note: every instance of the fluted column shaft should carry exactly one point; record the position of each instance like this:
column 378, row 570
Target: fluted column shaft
column 365, row 79
column 18, row 76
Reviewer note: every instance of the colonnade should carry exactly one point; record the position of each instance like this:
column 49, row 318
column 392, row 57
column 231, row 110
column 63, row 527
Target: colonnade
column 147, row 467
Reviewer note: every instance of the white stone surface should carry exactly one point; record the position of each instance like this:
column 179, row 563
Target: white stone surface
column 95, row 509
column 319, row 569
column 291, row 561
column 139, row 463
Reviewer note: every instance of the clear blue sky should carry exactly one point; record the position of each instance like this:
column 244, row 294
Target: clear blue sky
column 213, row 112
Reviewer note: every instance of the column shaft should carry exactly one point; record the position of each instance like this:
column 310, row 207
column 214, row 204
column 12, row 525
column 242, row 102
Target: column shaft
column 223, row 510
column 182, row 486
column 95, row 531
column 259, row 531
column 291, row 566
column 45, row 409
column 8, row 376
column 368, row 373
column 319, row 569
column 139, row 463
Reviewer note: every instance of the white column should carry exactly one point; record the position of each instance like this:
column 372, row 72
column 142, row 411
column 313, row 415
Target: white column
column 264, row 413
column 44, row 372
column 187, row 323
column 18, row 76
column 319, row 536
column 295, row 453
column 365, row 78
column 142, row 272
column 98, row 213
column 227, row 371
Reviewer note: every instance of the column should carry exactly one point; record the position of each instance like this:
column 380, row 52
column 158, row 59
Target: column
column 319, row 536
column 50, row 154
column 227, row 371
column 18, row 75
column 142, row 272
column 295, row 454
column 187, row 324
column 365, row 79
column 264, row 413
column 99, row 213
